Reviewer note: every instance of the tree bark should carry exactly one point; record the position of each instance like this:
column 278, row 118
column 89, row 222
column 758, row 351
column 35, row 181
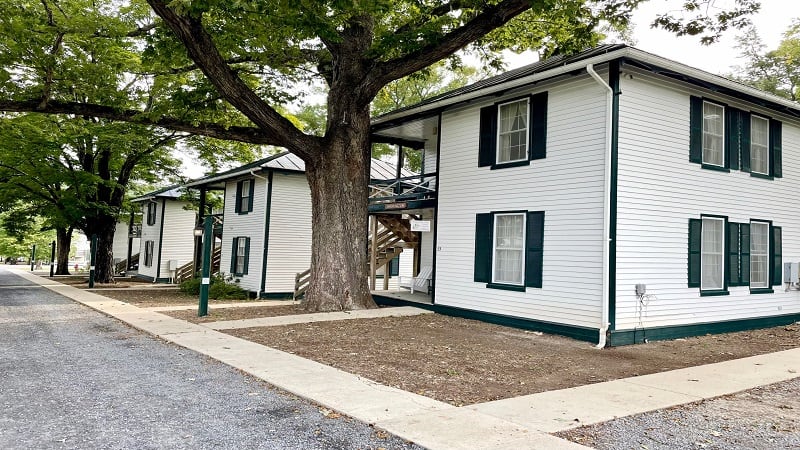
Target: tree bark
column 339, row 191
column 63, row 246
column 103, row 226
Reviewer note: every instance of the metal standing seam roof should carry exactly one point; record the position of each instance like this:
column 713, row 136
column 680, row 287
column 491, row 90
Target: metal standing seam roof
column 559, row 64
column 379, row 169
column 173, row 191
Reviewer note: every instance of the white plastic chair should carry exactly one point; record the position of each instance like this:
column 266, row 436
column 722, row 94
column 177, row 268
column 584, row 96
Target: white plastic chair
column 419, row 282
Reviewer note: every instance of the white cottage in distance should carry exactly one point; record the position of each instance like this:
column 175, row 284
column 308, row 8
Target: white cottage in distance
column 167, row 238
column 613, row 196
column 266, row 222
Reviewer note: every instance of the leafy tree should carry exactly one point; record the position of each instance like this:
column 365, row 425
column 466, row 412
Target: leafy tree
column 776, row 71
column 19, row 232
column 223, row 69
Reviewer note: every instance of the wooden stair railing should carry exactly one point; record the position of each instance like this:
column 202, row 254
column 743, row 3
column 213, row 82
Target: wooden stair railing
column 301, row 284
column 122, row 266
column 186, row 271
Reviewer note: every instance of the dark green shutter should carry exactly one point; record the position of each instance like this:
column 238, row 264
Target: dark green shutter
column 534, row 249
column 538, row 126
column 234, row 247
column 696, row 130
column 394, row 267
column 695, row 236
column 733, row 128
column 745, row 142
column 744, row 248
column 776, row 148
column 484, row 227
column 776, row 247
column 238, row 207
column 246, row 255
column 487, row 146
column 250, row 199
column 734, row 260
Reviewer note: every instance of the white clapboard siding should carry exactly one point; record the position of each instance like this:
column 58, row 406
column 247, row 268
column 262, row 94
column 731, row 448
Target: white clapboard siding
column 178, row 236
column 245, row 225
column 289, row 231
column 567, row 185
column 659, row 190
column 150, row 233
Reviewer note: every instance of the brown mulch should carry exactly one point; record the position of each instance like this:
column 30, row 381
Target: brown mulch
column 82, row 281
column 245, row 312
column 462, row 361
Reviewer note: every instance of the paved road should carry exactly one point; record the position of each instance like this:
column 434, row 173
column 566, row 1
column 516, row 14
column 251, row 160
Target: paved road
column 73, row 378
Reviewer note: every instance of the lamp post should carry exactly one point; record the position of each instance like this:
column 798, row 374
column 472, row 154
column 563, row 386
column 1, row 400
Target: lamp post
column 52, row 258
column 33, row 257
column 205, row 273
column 92, row 260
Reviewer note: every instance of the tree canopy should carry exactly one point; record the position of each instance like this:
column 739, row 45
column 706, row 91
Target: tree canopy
column 772, row 70
column 226, row 70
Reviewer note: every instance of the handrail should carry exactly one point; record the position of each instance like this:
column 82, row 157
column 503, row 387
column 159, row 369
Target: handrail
column 301, row 281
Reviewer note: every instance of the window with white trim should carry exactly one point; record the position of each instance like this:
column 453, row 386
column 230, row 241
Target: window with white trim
column 513, row 132
column 151, row 213
column 244, row 199
column 509, row 249
column 759, row 255
column 759, row 145
column 712, row 267
column 713, row 134
column 241, row 255
column 148, row 253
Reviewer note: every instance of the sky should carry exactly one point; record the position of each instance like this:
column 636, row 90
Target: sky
column 719, row 58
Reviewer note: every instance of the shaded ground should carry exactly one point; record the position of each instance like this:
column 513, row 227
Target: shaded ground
column 761, row 418
column 216, row 315
column 462, row 361
column 82, row 281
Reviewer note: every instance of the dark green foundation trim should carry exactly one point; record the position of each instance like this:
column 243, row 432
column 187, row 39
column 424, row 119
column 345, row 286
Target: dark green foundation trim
column 266, row 232
column 713, row 293
column 277, row 295
column 613, row 82
column 579, row 333
column 161, row 238
column 151, row 279
column 638, row 336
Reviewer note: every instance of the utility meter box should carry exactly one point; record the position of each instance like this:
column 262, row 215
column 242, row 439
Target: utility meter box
column 173, row 264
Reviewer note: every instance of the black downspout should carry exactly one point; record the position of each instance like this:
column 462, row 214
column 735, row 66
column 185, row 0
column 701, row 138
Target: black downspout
column 436, row 208
column 613, row 82
column 266, row 234
column 160, row 239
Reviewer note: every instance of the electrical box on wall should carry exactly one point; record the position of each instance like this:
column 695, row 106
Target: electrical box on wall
column 791, row 272
column 641, row 289
column 173, row 264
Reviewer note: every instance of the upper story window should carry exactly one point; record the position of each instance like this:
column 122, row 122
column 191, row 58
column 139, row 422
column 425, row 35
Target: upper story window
column 713, row 134
column 759, row 145
column 513, row 133
column 244, row 196
column 151, row 213
column 724, row 138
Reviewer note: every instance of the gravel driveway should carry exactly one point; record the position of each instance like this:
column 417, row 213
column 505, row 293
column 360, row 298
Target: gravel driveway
column 73, row 378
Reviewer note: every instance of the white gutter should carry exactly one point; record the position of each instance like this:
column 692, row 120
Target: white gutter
column 628, row 52
column 604, row 319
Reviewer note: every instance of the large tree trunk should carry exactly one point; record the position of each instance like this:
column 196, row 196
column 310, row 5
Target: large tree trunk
column 63, row 247
column 103, row 226
column 339, row 180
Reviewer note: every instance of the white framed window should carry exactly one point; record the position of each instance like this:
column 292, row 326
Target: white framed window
column 148, row 253
column 713, row 134
column 712, row 268
column 245, row 199
column 508, row 263
column 513, row 133
column 759, row 255
column 241, row 255
column 151, row 213
column 759, row 145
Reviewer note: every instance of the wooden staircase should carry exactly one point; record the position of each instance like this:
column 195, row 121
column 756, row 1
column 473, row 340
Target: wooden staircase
column 123, row 265
column 391, row 234
column 186, row 271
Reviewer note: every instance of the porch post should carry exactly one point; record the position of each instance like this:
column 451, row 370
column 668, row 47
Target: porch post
column 373, row 251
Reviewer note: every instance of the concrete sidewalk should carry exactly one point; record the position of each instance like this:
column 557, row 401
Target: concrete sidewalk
column 521, row 422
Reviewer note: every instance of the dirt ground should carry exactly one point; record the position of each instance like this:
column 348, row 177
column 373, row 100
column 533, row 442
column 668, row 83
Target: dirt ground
column 82, row 281
column 161, row 296
column 461, row 361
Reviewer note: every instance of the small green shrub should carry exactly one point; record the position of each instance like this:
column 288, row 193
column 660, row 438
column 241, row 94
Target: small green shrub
column 220, row 288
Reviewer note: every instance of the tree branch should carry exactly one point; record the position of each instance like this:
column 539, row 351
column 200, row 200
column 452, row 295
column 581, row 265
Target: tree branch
column 206, row 55
column 491, row 18
column 250, row 135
